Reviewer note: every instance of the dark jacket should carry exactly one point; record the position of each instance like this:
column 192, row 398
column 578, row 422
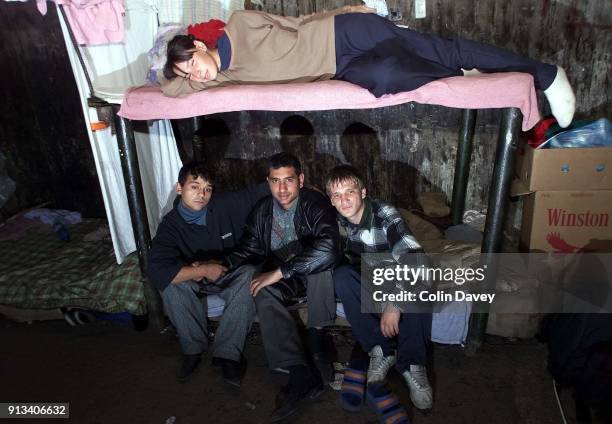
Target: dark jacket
column 178, row 244
column 316, row 229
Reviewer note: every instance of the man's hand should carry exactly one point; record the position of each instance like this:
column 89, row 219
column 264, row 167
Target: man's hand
column 265, row 279
column 212, row 271
column 389, row 322
column 198, row 270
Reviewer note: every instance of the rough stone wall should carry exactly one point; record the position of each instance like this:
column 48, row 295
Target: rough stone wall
column 42, row 130
column 413, row 147
column 401, row 151
column 576, row 34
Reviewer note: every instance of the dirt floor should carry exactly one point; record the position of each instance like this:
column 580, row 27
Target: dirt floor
column 113, row 374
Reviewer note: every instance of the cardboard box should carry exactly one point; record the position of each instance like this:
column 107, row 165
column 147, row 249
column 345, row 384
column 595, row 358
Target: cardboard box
column 567, row 221
column 565, row 169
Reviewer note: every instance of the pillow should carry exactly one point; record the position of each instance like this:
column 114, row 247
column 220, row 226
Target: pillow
column 157, row 53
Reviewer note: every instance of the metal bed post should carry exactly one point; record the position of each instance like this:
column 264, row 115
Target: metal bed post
column 494, row 226
column 462, row 164
column 197, row 141
column 136, row 203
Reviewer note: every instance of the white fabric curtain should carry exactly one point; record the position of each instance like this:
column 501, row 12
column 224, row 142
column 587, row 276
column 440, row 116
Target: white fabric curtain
column 115, row 67
column 187, row 12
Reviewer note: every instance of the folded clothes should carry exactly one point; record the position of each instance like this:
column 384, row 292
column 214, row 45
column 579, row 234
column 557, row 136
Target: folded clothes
column 50, row 216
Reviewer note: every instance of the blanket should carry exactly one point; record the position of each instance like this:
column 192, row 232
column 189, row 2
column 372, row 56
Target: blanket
column 39, row 271
column 484, row 91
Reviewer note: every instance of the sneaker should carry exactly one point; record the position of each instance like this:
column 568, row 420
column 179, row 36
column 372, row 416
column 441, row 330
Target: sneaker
column 379, row 365
column 69, row 316
column 189, row 364
column 420, row 389
column 83, row 316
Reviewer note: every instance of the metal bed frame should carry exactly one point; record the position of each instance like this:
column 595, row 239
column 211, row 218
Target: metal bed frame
column 507, row 143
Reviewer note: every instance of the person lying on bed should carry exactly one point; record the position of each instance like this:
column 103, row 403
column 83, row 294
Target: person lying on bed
column 185, row 264
column 361, row 48
column 391, row 338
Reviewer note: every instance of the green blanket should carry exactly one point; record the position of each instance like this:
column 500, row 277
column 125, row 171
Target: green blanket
column 39, row 271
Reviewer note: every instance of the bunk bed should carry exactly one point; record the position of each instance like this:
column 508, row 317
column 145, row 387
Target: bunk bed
column 513, row 93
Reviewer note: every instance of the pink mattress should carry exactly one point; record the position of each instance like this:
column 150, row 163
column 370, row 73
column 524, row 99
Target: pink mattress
column 485, row 91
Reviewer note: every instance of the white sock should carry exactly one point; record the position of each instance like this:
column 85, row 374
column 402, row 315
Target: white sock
column 379, row 5
column 471, row 72
column 561, row 99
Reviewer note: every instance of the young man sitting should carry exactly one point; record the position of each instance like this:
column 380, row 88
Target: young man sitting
column 293, row 234
column 186, row 263
column 391, row 338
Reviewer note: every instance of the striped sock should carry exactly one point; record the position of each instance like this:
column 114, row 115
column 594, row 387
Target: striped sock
column 386, row 405
column 353, row 389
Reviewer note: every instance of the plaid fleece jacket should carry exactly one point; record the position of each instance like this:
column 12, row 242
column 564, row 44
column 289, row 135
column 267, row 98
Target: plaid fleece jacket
column 381, row 230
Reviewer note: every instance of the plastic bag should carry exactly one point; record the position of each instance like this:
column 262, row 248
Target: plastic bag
column 595, row 134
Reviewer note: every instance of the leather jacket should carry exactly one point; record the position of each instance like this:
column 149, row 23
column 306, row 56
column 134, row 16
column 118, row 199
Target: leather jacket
column 316, row 229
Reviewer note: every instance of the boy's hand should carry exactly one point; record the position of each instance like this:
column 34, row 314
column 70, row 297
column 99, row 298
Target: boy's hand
column 265, row 279
column 389, row 322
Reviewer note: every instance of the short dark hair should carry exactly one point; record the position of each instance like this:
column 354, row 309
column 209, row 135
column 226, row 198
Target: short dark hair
column 195, row 169
column 342, row 173
column 180, row 49
column 283, row 159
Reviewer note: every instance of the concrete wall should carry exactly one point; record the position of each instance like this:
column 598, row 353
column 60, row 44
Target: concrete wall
column 413, row 148
column 42, row 130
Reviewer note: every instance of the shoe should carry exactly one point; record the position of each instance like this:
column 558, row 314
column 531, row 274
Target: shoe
column 230, row 370
column 379, row 365
column 420, row 389
column 188, row 366
column 324, row 367
column 83, row 316
column 312, row 395
column 288, row 399
column 561, row 98
column 77, row 316
column 69, row 316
